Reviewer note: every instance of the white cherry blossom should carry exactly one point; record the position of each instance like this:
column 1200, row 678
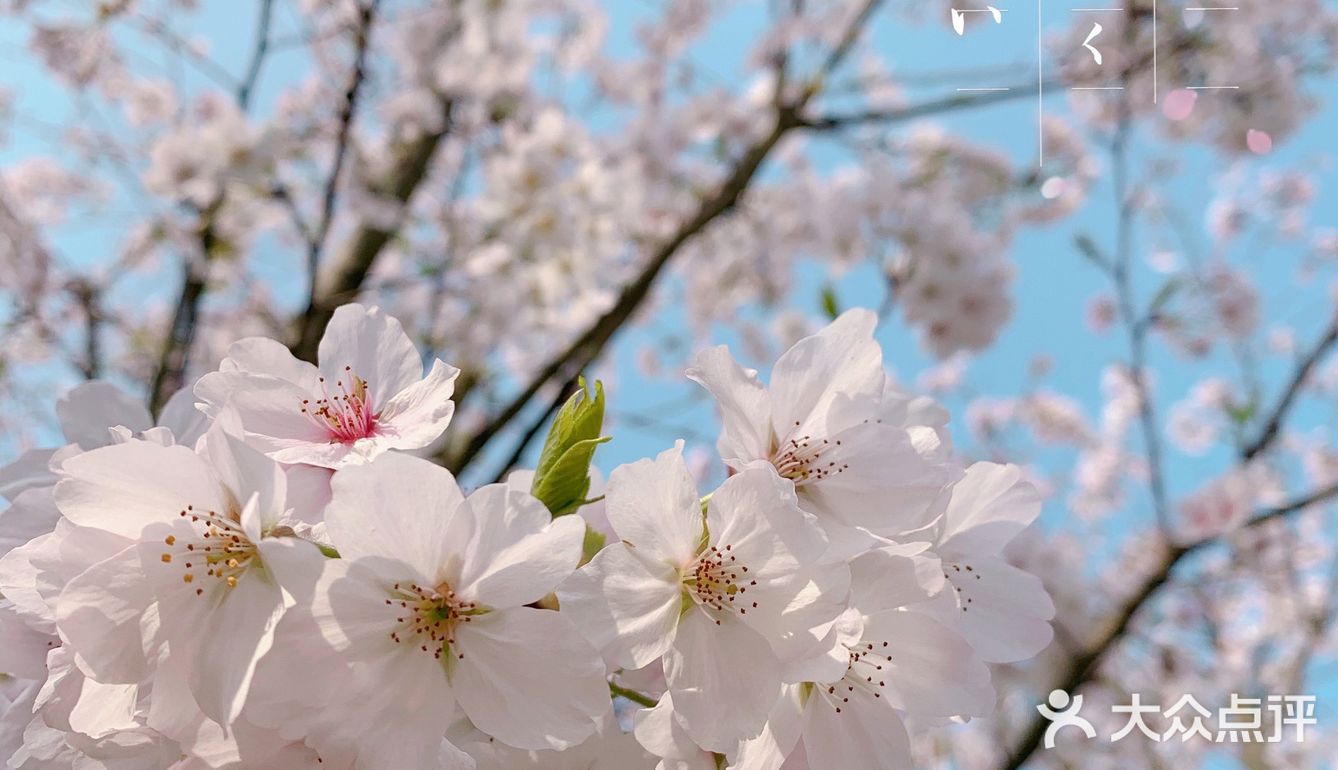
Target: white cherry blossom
column 368, row 395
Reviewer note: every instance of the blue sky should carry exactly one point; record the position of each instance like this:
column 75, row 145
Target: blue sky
column 1053, row 284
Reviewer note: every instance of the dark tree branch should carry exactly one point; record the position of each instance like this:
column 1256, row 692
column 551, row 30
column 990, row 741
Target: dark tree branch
column 175, row 357
column 581, row 353
column 89, row 299
column 316, row 242
column 1273, row 426
column 590, row 345
column 341, row 281
column 247, row 88
column 533, row 430
column 1083, row 666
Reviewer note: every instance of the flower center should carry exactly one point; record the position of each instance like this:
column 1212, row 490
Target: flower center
column 864, row 675
column 345, row 412
column 718, row 581
column 799, row 458
column 426, row 617
column 960, row 577
column 220, row 548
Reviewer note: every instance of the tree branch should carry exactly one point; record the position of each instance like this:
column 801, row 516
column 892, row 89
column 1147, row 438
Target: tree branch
column 175, row 356
column 588, row 347
column 341, row 281
column 1273, row 427
column 316, row 242
column 247, row 88
column 1083, row 666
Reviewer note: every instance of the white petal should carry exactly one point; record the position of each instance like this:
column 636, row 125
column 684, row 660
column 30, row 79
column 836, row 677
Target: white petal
column 99, row 614
column 928, row 669
column 32, row 469
column 87, row 412
column 724, row 679
column 517, row 555
column 628, row 607
column 1001, row 610
column 894, row 576
column 183, row 418
column 795, row 613
column 32, row 513
column 530, row 662
column 653, row 506
column 247, row 474
column 990, row 505
column 374, row 346
column 785, row 725
column 883, row 483
column 269, row 411
column 840, row 363
column 866, row 734
column 659, row 730
column 757, row 514
column 398, row 507
column 745, row 414
column 124, row 488
column 23, row 650
column 262, row 355
column 419, row 414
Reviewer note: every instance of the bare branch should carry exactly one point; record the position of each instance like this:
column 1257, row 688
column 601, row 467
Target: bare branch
column 175, row 357
column 316, row 242
column 340, row 281
column 1273, row 427
column 533, row 430
column 1082, row 667
column 89, row 299
column 581, row 353
column 258, row 54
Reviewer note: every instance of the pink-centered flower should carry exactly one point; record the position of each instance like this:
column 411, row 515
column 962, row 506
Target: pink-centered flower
column 367, row 395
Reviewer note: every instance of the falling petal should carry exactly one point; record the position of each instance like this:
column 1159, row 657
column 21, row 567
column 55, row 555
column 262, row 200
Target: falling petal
column 1179, row 104
column 1259, row 142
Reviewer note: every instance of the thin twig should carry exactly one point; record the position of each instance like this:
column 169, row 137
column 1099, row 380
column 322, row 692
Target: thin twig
column 632, row 695
column 316, row 243
column 1273, row 426
column 533, row 430
column 1082, row 667
column 247, row 88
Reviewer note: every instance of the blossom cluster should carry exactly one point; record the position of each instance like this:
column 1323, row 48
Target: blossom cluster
column 270, row 576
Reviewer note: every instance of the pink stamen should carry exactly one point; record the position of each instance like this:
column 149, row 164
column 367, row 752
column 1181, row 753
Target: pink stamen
column 346, row 414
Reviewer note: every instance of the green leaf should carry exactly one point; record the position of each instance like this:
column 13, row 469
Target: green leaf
column 594, row 543
column 1164, row 295
column 830, row 306
column 1242, row 414
column 562, row 479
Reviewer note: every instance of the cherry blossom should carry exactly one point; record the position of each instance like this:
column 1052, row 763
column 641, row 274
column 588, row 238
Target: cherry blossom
column 369, row 394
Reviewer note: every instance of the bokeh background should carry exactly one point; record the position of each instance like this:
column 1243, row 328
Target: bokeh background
column 149, row 146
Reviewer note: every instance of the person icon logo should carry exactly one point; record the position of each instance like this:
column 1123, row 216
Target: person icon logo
column 1061, row 715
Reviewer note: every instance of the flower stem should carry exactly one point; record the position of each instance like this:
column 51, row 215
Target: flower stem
column 632, row 695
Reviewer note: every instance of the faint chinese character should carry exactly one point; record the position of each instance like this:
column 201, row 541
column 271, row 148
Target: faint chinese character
column 1196, row 727
column 1294, row 710
column 1241, row 722
column 1136, row 709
